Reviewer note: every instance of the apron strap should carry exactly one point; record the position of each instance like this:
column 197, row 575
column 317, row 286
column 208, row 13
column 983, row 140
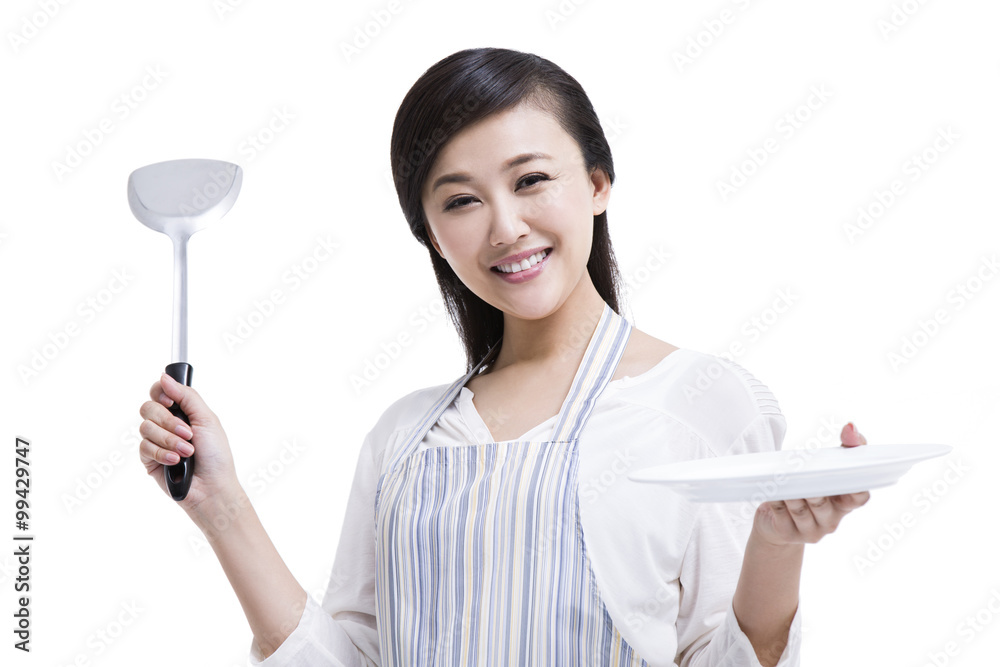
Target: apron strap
column 435, row 411
column 595, row 371
column 597, row 368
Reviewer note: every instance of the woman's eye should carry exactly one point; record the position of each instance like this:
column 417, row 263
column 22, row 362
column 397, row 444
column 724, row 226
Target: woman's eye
column 456, row 203
column 527, row 181
column 529, row 177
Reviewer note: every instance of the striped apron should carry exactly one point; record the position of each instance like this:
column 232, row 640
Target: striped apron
column 480, row 550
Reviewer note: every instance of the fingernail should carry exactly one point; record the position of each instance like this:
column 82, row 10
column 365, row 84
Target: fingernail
column 185, row 449
column 183, row 431
column 166, row 400
column 863, row 439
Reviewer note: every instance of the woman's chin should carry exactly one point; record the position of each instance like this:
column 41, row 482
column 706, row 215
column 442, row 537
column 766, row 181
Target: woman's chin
column 530, row 306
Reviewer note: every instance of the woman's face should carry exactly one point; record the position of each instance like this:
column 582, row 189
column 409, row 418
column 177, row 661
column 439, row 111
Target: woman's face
column 487, row 199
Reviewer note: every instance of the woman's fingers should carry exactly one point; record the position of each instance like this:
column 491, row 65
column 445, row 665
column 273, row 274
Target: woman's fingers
column 161, row 416
column 851, row 501
column 850, row 437
column 159, row 436
column 802, row 516
column 156, row 393
column 187, row 398
column 825, row 513
column 167, row 391
column 165, row 436
column 164, row 439
column 809, row 519
column 154, row 456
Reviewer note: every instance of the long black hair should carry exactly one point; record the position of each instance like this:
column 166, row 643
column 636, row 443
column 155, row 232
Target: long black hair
column 457, row 91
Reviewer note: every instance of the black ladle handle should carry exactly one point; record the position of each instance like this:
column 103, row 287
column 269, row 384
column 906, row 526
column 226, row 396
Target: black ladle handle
column 179, row 475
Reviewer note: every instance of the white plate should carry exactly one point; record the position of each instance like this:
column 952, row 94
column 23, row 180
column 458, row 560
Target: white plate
column 793, row 473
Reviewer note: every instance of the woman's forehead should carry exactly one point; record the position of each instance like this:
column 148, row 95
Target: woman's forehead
column 492, row 142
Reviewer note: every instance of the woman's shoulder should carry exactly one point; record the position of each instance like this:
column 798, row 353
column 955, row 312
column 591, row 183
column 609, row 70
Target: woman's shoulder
column 403, row 415
column 407, row 410
column 643, row 353
column 712, row 395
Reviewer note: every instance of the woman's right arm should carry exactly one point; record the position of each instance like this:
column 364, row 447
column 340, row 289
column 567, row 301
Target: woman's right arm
column 273, row 601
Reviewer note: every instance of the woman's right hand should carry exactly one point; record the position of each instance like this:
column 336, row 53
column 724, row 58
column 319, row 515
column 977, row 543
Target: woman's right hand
column 165, row 436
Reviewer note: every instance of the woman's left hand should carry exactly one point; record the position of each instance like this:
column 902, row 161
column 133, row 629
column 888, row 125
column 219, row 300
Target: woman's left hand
column 783, row 522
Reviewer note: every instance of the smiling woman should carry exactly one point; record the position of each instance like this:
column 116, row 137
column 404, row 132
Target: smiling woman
column 488, row 222
column 491, row 520
column 505, row 100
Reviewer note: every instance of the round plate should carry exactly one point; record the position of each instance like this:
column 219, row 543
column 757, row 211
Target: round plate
column 787, row 474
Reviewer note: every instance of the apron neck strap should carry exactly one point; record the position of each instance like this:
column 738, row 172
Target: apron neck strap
column 607, row 344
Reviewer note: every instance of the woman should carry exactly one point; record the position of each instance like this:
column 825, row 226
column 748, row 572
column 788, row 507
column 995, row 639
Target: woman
column 490, row 520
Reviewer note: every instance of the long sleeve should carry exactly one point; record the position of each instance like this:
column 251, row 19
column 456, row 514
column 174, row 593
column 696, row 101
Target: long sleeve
column 667, row 567
column 342, row 632
column 708, row 632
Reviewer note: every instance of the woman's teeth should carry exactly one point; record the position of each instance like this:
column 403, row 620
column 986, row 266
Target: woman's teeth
column 526, row 263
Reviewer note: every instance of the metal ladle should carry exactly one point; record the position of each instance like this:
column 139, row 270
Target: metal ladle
column 179, row 198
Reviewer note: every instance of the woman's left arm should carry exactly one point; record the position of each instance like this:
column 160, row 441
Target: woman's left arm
column 767, row 593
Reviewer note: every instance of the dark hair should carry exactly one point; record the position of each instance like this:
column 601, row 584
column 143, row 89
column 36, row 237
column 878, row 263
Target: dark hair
column 457, row 91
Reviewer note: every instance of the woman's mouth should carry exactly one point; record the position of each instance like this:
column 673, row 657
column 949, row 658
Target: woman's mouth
column 524, row 270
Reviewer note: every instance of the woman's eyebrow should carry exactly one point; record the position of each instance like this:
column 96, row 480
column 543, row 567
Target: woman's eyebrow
column 461, row 177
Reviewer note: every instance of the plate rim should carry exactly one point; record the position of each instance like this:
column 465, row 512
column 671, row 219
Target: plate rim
column 649, row 474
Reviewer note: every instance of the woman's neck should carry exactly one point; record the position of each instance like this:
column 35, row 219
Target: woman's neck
column 554, row 341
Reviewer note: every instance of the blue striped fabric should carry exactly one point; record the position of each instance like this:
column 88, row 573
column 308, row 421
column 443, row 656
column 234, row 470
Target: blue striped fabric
column 480, row 550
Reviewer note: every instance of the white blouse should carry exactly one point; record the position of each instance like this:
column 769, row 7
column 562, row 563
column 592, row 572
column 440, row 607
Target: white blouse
column 666, row 567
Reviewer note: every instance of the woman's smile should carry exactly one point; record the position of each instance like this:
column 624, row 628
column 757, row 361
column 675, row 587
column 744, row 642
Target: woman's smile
column 526, row 269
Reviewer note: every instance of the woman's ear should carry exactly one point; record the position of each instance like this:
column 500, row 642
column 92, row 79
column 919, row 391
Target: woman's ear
column 430, row 235
column 602, row 189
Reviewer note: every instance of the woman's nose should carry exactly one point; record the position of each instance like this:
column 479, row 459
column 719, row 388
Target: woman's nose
column 507, row 223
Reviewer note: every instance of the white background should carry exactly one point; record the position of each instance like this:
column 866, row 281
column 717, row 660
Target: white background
column 107, row 539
